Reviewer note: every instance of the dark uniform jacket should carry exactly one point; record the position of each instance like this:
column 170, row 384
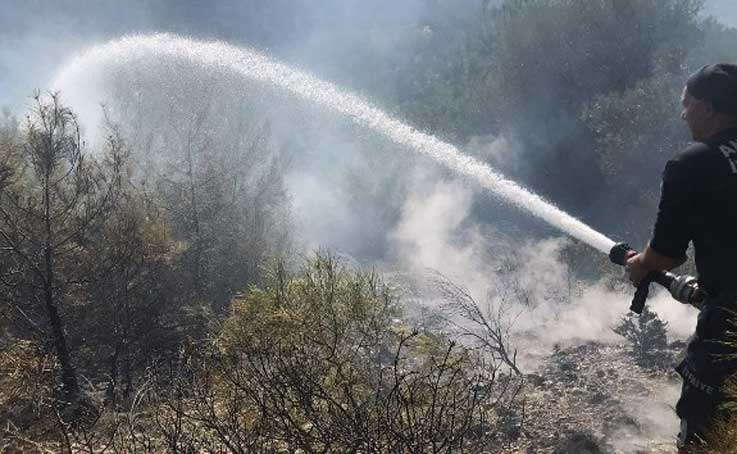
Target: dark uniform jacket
column 699, row 204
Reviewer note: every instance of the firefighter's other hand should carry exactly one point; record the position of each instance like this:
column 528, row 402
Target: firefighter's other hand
column 636, row 269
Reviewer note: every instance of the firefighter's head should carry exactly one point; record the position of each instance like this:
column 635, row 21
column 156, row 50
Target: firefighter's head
column 710, row 100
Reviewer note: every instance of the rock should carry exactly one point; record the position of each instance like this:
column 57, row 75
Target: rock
column 579, row 443
column 535, row 380
column 598, row 398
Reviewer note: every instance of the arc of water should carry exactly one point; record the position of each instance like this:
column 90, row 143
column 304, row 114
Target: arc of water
column 255, row 66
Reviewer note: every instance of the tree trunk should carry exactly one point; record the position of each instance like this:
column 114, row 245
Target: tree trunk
column 112, row 388
column 70, row 386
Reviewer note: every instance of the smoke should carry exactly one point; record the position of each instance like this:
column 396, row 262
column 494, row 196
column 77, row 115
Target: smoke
column 503, row 153
column 549, row 307
column 534, row 279
column 351, row 190
column 655, row 419
column 349, row 195
column 345, row 200
column 360, row 45
column 431, row 233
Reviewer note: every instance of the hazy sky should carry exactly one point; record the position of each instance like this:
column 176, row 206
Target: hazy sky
column 725, row 10
column 36, row 36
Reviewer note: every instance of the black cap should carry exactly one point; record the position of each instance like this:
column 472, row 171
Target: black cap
column 716, row 84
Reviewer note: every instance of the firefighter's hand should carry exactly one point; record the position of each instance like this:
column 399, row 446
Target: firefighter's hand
column 636, row 269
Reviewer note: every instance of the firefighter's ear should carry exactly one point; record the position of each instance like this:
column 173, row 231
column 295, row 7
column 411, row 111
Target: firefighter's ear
column 708, row 109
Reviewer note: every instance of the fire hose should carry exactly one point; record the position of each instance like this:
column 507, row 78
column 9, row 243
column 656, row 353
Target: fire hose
column 684, row 289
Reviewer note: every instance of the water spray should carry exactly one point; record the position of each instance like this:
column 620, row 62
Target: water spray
column 218, row 56
column 140, row 50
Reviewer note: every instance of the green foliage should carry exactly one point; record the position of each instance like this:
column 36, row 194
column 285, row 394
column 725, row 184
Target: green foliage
column 51, row 200
column 635, row 132
column 564, row 79
column 629, row 126
column 554, row 56
column 314, row 361
column 131, row 297
column 647, row 335
column 323, row 300
column 84, row 258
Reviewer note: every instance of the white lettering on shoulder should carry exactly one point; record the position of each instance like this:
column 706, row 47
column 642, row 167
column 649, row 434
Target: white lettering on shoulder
column 730, row 153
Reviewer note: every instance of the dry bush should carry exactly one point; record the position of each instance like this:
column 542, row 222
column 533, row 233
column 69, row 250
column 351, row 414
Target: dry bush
column 320, row 361
column 488, row 326
column 27, row 377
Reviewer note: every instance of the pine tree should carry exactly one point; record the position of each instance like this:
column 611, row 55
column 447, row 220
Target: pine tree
column 647, row 334
column 51, row 200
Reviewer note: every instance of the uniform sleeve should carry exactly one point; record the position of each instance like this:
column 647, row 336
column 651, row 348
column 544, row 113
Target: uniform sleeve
column 672, row 232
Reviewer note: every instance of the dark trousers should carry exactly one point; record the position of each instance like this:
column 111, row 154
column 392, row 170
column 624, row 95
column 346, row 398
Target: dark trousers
column 708, row 363
column 697, row 411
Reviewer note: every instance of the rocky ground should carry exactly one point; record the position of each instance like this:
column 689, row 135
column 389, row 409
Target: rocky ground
column 592, row 399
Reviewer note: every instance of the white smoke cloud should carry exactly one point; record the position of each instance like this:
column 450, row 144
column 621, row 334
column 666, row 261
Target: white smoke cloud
column 500, row 152
column 656, row 420
column 435, row 232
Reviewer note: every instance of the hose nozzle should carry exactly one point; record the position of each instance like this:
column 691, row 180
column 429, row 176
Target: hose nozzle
column 618, row 253
column 684, row 289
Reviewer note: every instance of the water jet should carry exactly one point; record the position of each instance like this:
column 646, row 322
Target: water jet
column 255, row 66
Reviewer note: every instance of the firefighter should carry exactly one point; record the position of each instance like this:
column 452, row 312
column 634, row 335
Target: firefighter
column 698, row 204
